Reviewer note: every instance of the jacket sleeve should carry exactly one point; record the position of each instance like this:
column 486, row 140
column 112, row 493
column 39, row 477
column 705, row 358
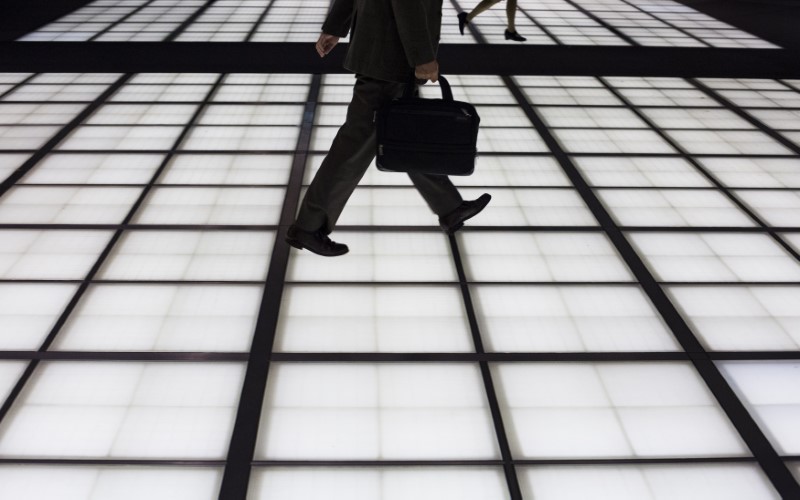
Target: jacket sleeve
column 412, row 25
column 339, row 18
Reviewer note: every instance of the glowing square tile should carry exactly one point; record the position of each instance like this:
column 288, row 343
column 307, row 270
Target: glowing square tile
column 207, row 205
column 742, row 318
column 134, row 410
column 378, row 257
column 612, row 410
column 143, row 114
column 10, row 373
column 755, row 172
column 38, row 114
column 770, row 391
column 439, row 483
column 208, row 138
column 228, row 169
column 94, row 169
column 671, row 118
column 10, row 163
column 574, row 319
column 27, row 254
column 640, row 171
column 612, row 141
column 25, row 137
column 532, row 207
column 329, row 411
column 28, row 312
column 372, row 319
column 776, row 208
column 727, row 142
column 67, row 205
column 251, row 115
column 162, row 318
column 387, row 207
column 494, row 256
column 190, row 255
column 32, row 482
column 697, row 481
column 715, row 257
column 121, row 137
column 673, row 208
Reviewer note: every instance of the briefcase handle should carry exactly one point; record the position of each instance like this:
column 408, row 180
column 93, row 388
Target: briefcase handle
column 411, row 87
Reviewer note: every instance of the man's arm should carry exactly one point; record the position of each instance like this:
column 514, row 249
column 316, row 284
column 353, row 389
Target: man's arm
column 339, row 18
column 412, row 26
column 336, row 25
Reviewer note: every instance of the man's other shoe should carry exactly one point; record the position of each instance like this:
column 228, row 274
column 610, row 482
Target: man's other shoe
column 453, row 221
column 462, row 22
column 316, row 242
column 513, row 35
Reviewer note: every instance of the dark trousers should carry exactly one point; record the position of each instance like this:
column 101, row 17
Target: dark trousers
column 350, row 155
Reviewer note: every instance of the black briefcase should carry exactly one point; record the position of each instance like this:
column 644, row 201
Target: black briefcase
column 431, row 136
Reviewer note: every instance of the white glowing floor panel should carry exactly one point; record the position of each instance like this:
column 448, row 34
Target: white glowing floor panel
column 542, row 349
column 664, row 23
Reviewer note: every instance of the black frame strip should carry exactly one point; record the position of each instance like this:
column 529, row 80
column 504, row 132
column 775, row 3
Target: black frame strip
column 771, row 231
column 120, row 20
column 767, row 457
column 236, row 478
column 84, row 285
column 67, row 129
column 188, row 21
column 267, row 57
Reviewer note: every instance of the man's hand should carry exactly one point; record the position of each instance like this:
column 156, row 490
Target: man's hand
column 427, row 71
column 325, row 44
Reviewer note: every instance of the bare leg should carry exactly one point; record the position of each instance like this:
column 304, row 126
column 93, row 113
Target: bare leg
column 511, row 12
column 482, row 7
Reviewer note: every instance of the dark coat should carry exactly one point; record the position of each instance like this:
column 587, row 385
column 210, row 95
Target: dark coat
column 389, row 37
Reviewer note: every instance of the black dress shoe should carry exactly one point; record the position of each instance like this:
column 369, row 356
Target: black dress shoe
column 462, row 21
column 513, row 35
column 317, row 242
column 453, row 221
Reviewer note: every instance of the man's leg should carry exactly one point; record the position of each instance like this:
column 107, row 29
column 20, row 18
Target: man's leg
column 438, row 191
column 350, row 155
column 480, row 8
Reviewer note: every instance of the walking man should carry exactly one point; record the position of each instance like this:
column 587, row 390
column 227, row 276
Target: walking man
column 391, row 40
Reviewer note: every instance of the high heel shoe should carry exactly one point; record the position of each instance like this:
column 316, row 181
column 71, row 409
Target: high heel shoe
column 513, row 35
column 462, row 21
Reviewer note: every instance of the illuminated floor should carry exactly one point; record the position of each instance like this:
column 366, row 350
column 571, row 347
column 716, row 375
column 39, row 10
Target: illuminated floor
column 642, row 240
column 663, row 23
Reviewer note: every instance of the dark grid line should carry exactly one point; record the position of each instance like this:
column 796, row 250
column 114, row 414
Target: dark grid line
column 188, row 21
column 522, row 462
column 790, row 85
column 403, row 229
column 258, row 22
column 120, row 21
column 728, row 193
column 236, row 478
column 742, row 113
column 67, row 129
column 20, row 385
column 668, row 23
column 491, row 395
column 541, row 26
column 386, row 463
column 604, row 24
column 17, row 86
column 769, row 460
column 407, row 283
